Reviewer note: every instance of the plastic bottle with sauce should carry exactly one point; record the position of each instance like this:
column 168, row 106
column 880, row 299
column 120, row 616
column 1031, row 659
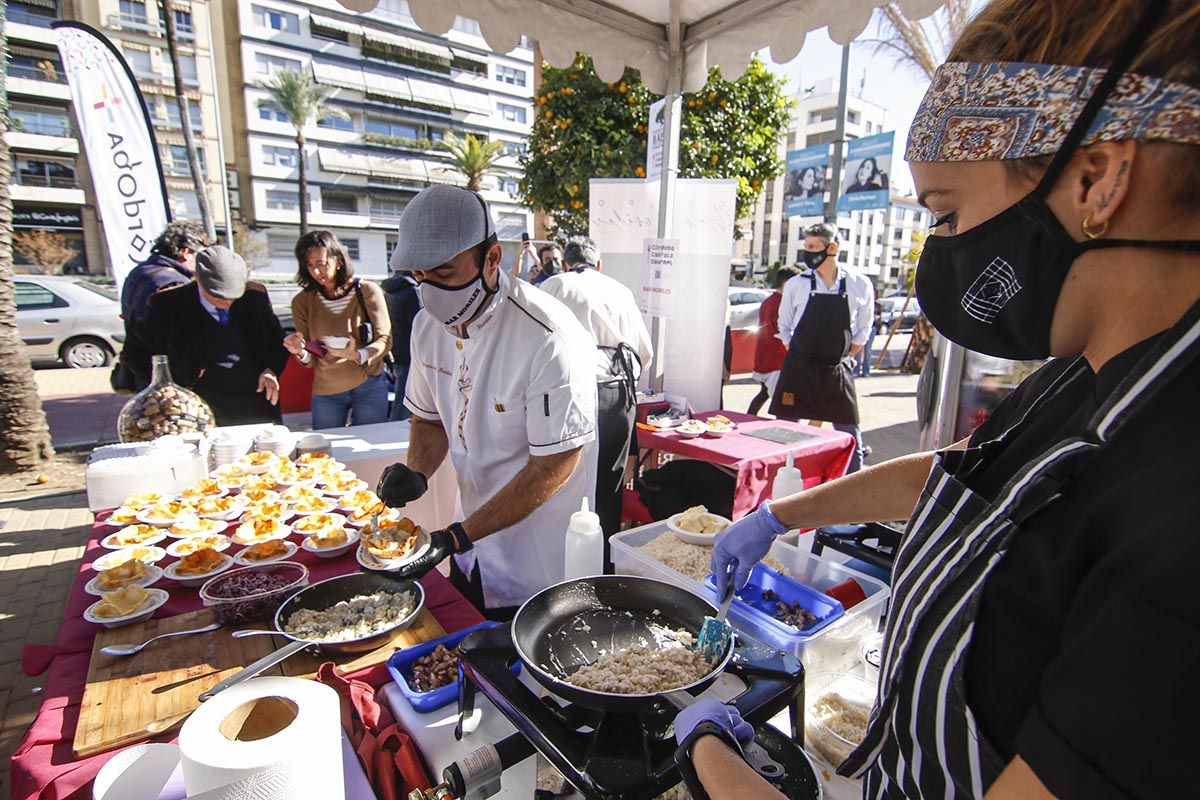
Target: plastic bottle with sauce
column 788, row 480
column 584, row 545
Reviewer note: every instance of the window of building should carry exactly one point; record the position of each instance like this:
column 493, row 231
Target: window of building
column 389, row 243
column 319, row 31
column 43, row 120
column 853, row 117
column 387, row 209
column 271, row 113
column 389, row 127
column 511, row 75
column 843, row 257
column 844, row 234
column 897, row 234
column 133, row 10
column 281, row 246
column 336, row 123
column 187, row 66
column 32, row 14
column 895, row 252
column 339, row 202
column 276, row 156
column 283, row 200
column 514, row 148
column 351, row 246
column 47, row 172
column 466, row 25
column 511, row 113
column 821, row 138
column 821, row 115
column 139, row 61
column 280, row 21
column 175, row 160
column 265, row 64
column 183, row 22
column 173, row 120
column 510, row 185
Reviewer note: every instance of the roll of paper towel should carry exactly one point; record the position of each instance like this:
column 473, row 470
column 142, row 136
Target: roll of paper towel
column 265, row 738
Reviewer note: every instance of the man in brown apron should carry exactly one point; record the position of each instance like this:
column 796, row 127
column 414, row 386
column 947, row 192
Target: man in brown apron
column 824, row 318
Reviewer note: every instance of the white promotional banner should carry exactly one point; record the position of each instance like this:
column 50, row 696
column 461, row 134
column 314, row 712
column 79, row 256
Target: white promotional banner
column 658, row 262
column 623, row 214
column 131, row 196
column 656, row 129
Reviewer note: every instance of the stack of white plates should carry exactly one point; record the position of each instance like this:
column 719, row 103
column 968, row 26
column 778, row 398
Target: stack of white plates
column 313, row 443
column 277, row 439
column 227, row 448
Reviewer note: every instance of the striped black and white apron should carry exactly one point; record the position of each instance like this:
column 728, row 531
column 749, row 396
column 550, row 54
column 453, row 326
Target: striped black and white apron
column 923, row 740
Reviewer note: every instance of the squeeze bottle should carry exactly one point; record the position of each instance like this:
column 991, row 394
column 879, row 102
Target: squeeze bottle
column 584, row 545
column 788, row 480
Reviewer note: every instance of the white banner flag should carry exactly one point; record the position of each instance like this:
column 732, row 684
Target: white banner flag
column 131, row 196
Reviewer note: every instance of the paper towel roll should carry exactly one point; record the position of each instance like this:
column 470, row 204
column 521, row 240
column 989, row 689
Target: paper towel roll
column 265, row 738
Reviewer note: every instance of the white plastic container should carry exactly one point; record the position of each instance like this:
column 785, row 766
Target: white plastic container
column 788, row 480
column 837, row 648
column 584, row 545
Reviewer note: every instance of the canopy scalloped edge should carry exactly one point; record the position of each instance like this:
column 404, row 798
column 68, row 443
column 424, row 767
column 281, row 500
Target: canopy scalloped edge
column 561, row 25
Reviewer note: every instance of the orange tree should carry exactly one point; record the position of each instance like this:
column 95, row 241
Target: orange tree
column 586, row 128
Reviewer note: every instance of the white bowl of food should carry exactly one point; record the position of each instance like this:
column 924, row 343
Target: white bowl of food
column 142, row 500
column 717, row 426
column 222, row 509
column 317, row 523
column 307, row 506
column 257, row 497
column 208, row 487
column 361, row 517
column 260, row 529
column 132, row 535
column 260, row 462
column 277, row 510
column 342, row 487
column 336, row 342
column 197, row 526
column 195, row 568
column 689, row 429
column 697, row 525
column 125, row 606
column 393, row 546
column 191, row 544
column 353, row 501
column 146, row 554
column 122, row 515
column 330, row 543
column 132, row 572
column 166, row 513
column 267, row 552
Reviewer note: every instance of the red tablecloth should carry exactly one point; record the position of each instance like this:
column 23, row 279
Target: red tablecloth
column 755, row 461
column 44, row 766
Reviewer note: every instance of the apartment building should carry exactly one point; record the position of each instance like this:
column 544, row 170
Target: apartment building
column 401, row 92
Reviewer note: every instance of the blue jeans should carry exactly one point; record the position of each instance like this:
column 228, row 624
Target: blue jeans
column 856, row 458
column 399, row 410
column 364, row 404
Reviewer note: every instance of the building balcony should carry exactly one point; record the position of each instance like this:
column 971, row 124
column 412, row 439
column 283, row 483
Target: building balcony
column 45, row 189
column 41, row 143
column 139, row 23
column 50, row 74
column 34, row 30
column 33, row 20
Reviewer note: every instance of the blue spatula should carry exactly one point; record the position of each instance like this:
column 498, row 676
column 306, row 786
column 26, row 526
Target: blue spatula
column 715, row 632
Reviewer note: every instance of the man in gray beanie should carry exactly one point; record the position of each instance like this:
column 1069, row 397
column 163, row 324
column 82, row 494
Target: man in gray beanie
column 502, row 379
column 223, row 342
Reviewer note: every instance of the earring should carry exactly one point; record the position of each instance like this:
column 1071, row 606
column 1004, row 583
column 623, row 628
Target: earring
column 1091, row 233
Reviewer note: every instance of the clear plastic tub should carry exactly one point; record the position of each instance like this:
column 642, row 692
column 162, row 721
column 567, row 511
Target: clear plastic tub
column 837, row 648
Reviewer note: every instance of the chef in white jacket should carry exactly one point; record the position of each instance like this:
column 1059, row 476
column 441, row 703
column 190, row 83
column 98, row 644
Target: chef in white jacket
column 502, row 379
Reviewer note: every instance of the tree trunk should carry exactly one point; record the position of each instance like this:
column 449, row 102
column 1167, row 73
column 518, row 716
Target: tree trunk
column 302, row 162
column 189, row 136
column 24, row 434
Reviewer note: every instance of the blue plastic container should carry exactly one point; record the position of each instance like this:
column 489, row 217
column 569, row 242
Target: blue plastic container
column 749, row 604
column 401, row 663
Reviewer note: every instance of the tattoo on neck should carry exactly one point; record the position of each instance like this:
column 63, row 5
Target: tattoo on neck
column 1108, row 198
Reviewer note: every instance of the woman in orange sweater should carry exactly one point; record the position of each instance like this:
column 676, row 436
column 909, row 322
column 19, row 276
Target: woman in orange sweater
column 343, row 331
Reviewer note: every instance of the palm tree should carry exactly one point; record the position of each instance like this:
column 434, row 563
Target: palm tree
column 189, row 136
column 302, row 102
column 24, row 434
column 473, row 158
column 918, row 44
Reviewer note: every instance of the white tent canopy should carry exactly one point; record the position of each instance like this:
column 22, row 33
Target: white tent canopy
column 656, row 37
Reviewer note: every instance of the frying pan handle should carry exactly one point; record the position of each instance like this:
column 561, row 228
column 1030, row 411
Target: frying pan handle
column 257, row 668
column 679, row 699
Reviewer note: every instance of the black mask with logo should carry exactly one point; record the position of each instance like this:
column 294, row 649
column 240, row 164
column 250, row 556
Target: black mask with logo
column 814, row 258
column 993, row 288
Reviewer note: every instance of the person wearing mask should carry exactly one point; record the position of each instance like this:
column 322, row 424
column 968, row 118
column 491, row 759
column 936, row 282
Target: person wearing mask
column 335, row 308
column 769, row 352
column 550, row 259
column 1067, row 225
column 609, row 312
column 825, row 315
column 503, row 379
column 222, row 341
column 403, row 303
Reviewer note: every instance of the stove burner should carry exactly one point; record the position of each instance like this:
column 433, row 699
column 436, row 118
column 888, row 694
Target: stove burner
column 631, row 755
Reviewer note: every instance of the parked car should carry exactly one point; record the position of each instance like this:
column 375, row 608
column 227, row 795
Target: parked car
column 890, row 307
column 64, row 319
column 743, row 306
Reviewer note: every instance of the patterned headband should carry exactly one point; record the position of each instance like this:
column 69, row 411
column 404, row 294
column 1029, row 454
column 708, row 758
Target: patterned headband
column 1001, row 110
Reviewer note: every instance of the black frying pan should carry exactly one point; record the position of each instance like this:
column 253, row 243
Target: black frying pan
column 561, row 628
column 318, row 597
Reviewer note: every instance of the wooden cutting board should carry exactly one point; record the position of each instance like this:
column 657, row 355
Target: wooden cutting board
column 128, row 699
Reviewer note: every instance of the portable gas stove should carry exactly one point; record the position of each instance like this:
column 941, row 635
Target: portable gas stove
column 614, row 754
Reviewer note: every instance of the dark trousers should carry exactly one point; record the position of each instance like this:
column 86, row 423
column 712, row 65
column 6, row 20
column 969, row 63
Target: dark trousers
column 472, row 589
column 616, row 411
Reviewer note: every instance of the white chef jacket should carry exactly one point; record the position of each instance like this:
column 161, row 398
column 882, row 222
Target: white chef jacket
column 607, row 310
column 521, row 384
column 860, row 294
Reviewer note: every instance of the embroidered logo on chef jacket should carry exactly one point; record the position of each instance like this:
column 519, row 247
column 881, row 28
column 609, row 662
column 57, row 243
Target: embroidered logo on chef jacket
column 991, row 291
column 464, row 388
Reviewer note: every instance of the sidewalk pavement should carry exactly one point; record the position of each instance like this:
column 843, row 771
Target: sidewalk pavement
column 81, row 408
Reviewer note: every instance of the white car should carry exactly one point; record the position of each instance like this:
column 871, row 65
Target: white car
column 743, row 306
column 67, row 320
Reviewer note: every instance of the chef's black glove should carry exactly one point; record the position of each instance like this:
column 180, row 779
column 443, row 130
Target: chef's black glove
column 399, row 485
column 442, row 544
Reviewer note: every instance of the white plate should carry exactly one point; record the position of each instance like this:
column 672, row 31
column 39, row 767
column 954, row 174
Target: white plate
column 219, row 527
column 339, row 521
column 386, row 514
column 283, row 532
column 355, row 486
column 247, row 562
column 308, row 483
column 157, row 598
column 109, row 543
column 369, row 561
column 332, row 552
column 93, row 586
column 192, row 498
column 702, row 539
column 717, row 434
column 178, row 548
column 328, row 508
column 143, row 500
column 162, row 523
column 197, row 580
column 114, row 523
column 259, row 469
column 118, row 557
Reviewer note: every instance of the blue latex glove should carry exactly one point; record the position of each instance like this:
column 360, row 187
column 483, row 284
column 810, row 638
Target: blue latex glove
column 742, row 545
column 716, row 712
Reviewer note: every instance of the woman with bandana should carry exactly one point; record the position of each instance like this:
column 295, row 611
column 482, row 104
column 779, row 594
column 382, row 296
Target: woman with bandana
column 1042, row 638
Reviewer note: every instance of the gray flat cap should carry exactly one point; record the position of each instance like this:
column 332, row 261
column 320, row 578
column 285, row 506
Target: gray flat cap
column 438, row 224
column 221, row 272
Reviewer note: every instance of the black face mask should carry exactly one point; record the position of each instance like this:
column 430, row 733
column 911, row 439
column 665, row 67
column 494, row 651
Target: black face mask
column 814, row 258
column 993, row 288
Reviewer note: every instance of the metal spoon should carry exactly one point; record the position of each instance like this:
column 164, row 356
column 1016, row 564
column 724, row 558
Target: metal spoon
column 130, row 649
